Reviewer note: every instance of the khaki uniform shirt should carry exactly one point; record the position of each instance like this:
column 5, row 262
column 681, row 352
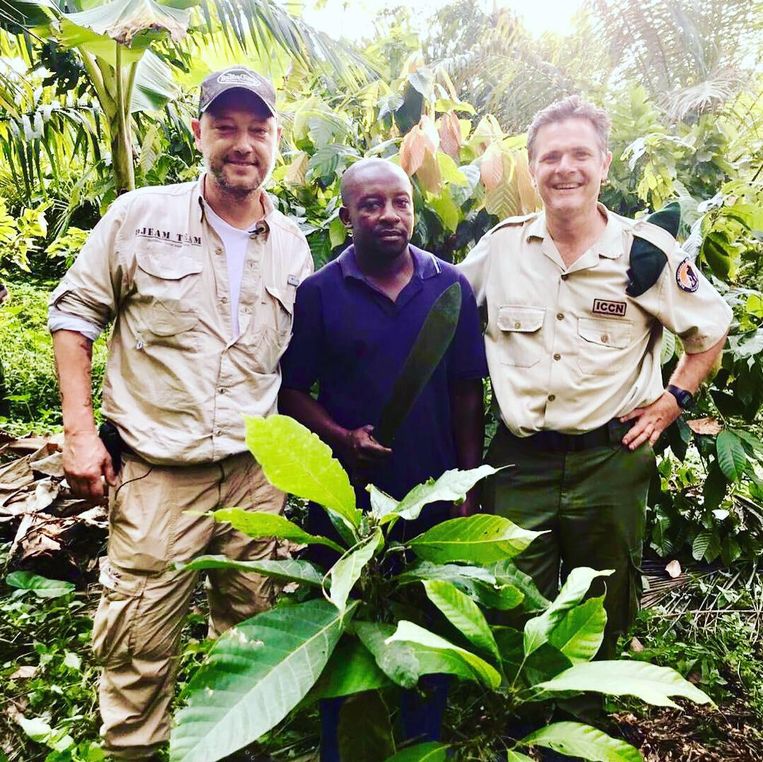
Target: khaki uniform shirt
column 567, row 348
column 176, row 384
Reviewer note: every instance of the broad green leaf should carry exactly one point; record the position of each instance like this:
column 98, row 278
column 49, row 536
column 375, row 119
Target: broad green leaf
column 296, row 461
column 381, row 503
column 538, row 629
column 650, row 683
column 481, row 539
column 154, row 85
column 365, row 729
column 404, row 663
column 452, row 485
column 578, row 740
column 515, row 756
column 351, row 669
column 731, row 455
column 409, row 632
column 42, row 587
column 477, row 582
column 507, row 573
column 432, row 751
column 260, row 524
column 132, row 24
column 544, row 663
column 580, row 631
column 464, row 614
column 286, row 570
column 347, row 570
column 445, row 207
column 256, row 673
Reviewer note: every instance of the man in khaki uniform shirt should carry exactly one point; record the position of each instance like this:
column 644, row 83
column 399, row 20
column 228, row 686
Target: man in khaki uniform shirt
column 199, row 280
column 574, row 329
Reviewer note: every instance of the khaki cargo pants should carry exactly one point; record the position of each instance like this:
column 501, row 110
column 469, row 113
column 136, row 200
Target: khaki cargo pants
column 144, row 601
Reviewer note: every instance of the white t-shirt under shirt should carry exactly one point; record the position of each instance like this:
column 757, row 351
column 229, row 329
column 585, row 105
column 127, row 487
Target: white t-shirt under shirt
column 235, row 242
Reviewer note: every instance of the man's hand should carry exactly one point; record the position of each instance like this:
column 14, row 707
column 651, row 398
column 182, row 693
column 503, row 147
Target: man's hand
column 361, row 449
column 86, row 461
column 651, row 421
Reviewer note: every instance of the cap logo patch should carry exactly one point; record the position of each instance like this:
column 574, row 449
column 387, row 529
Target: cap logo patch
column 239, row 78
column 603, row 307
column 686, row 276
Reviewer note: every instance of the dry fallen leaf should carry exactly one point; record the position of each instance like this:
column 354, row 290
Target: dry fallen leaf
column 673, row 569
column 706, row 426
column 24, row 673
column 636, row 646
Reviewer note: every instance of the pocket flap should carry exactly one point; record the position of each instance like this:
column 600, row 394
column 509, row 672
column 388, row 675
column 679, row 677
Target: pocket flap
column 606, row 333
column 284, row 295
column 521, row 319
column 166, row 266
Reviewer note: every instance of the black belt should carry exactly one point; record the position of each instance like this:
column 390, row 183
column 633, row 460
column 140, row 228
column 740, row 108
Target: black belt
column 556, row 441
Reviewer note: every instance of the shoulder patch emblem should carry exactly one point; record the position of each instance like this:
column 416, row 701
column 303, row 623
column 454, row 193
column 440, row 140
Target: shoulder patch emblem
column 293, row 280
column 686, row 276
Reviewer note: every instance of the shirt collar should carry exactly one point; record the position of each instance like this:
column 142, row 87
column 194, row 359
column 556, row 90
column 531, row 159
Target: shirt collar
column 609, row 245
column 425, row 264
column 260, row 227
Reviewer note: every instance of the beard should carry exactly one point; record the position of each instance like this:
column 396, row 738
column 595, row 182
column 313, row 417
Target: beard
column 239, row 186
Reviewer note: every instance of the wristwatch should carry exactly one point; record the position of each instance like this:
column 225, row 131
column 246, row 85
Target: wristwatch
column 684, row 399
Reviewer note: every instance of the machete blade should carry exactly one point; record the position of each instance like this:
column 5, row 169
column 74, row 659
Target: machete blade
column 430, row 346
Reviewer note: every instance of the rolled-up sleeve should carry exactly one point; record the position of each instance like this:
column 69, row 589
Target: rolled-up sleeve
column 90, row 291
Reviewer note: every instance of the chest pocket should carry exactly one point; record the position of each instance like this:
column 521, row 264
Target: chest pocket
column 269, row 334
column 521, row 335
column 599, row 342
column 167, row 284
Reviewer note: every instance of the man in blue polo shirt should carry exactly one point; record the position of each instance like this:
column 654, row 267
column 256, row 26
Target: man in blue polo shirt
column 355, row 322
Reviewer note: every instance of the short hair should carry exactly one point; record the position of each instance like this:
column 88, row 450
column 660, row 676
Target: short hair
column 349, row 175
column 572, row 107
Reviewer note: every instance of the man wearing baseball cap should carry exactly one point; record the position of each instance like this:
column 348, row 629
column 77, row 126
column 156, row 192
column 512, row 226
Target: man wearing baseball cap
column 199, row 281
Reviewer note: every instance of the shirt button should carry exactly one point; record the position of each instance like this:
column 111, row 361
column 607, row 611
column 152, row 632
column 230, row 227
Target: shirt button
column 222, row 390
column 517, row 324
column 604, row 338
column 565, row 276
column 218, row 432
column 247, row 310
column 557, row 356
column 559, row 316
column 224, row 299
column 551, row 397
column 219, row 250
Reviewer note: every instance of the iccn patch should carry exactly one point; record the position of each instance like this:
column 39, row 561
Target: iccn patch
column 686, row 276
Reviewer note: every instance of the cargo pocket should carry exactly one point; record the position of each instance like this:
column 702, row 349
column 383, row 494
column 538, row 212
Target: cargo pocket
column 522, row 338
column 599, row 342
column 117, row 616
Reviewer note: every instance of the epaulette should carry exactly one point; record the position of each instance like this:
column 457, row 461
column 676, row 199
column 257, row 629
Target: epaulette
column 513, row 221
column 652, row 237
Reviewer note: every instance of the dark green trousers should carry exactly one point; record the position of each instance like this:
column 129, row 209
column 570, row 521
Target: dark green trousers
column 593, row 503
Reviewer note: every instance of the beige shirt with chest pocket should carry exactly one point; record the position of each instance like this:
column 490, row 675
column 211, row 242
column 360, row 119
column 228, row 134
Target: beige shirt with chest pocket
column 177, row 382
column 568, row 349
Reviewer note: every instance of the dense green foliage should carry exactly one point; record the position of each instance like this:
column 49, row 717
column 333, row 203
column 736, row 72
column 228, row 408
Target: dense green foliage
column 361, row 626
column 26, row 354
column 682, row 83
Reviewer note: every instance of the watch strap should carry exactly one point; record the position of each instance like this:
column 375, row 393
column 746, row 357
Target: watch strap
column 684, row 398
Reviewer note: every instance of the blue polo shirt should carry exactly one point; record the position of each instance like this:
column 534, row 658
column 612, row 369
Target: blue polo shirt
column 353, row 340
